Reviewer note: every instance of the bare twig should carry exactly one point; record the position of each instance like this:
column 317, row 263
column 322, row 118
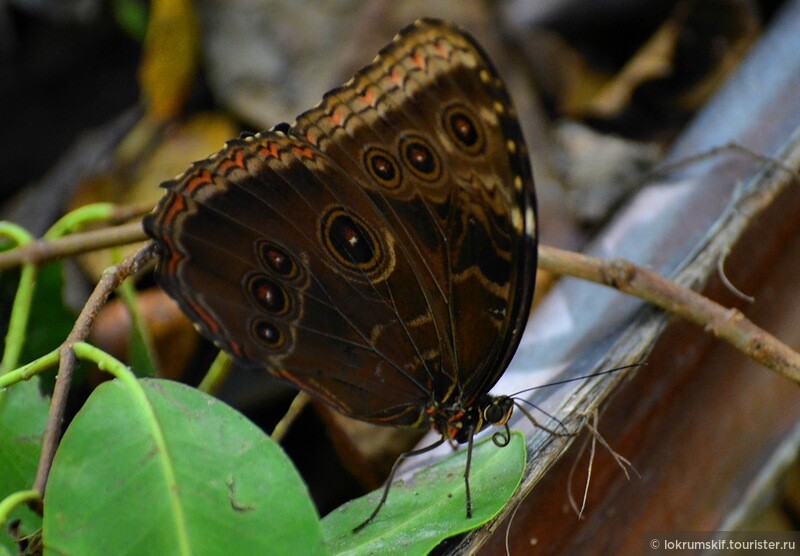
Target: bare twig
column 727, row 324
column 728, row 284
column 42, row 251
column 111, row 279
column 590, row 423
column 124, row 213
column 730, row 147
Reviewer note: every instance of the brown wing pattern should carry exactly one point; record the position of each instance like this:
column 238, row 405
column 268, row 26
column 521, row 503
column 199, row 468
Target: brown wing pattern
column 472, row 227
column 378, row 253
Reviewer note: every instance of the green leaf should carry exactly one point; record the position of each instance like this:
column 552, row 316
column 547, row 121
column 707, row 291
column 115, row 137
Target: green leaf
column 141, row 359
column 23, row 416
column 218, row 485
column 430, row 507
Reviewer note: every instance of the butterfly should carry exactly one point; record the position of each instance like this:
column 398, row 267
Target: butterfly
column 378, row 253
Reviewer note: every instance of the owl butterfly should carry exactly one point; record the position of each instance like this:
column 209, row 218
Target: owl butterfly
column 378, row 253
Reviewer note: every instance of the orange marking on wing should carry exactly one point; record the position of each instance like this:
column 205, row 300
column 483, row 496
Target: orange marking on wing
column 311, row 139
column 389, row 419
column 174, row 256
column 287, row 376
column 237, row 161
column 418, row 60
column 305, row 152
column 336, row 116
column 198, row 181
column 177, row 206
column 368, row 97
column 395, row 76
column 236, row 348
column 440, row 49
column 204, row 316
column 269, row 150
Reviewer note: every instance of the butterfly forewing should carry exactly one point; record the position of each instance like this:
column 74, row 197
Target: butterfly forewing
column 379, row 253
column 472, row 225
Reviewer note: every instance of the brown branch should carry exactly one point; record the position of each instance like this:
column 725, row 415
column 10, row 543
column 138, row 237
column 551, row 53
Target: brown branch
column 728, row 324
column 124, row 213
column 42, row 251
column 112, row 278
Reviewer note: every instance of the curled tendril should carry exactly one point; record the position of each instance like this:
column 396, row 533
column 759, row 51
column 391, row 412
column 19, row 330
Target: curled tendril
column 502, row 438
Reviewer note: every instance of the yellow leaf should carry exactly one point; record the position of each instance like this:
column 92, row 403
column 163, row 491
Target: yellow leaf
column 169, row 61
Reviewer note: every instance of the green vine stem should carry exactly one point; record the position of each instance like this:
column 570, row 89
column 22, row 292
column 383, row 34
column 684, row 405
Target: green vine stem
column 20, row 312
column 60, row 241
column 80, row 217
column 217, row 373
column 15, row 499
column 30, row 370
column 21, row 308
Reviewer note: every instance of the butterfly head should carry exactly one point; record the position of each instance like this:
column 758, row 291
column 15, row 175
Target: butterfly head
column 459, row 422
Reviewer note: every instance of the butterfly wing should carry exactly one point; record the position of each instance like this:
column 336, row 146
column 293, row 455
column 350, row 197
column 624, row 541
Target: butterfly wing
column 379, row 253
column 467, row 210
column 258, row 247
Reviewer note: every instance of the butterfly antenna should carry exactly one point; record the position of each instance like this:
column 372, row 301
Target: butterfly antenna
column 573, row 379
column 389, row 480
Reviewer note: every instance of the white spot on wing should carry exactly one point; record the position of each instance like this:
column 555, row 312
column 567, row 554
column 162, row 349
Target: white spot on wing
column 530, row 221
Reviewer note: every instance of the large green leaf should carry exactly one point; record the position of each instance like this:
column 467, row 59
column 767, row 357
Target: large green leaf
column 430, row 507
column 173, row 472
column 23, row 415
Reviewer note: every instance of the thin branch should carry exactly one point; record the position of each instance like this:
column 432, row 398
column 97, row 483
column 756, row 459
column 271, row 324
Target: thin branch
column 124, row 213
column 727, row 324
column 112, row 278
column 42, row 251
column 728, row 284
column 300, row 401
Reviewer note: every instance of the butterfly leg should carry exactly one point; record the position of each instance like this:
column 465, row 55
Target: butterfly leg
column 389, row 480
column 538, row 425
column 466, row 472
